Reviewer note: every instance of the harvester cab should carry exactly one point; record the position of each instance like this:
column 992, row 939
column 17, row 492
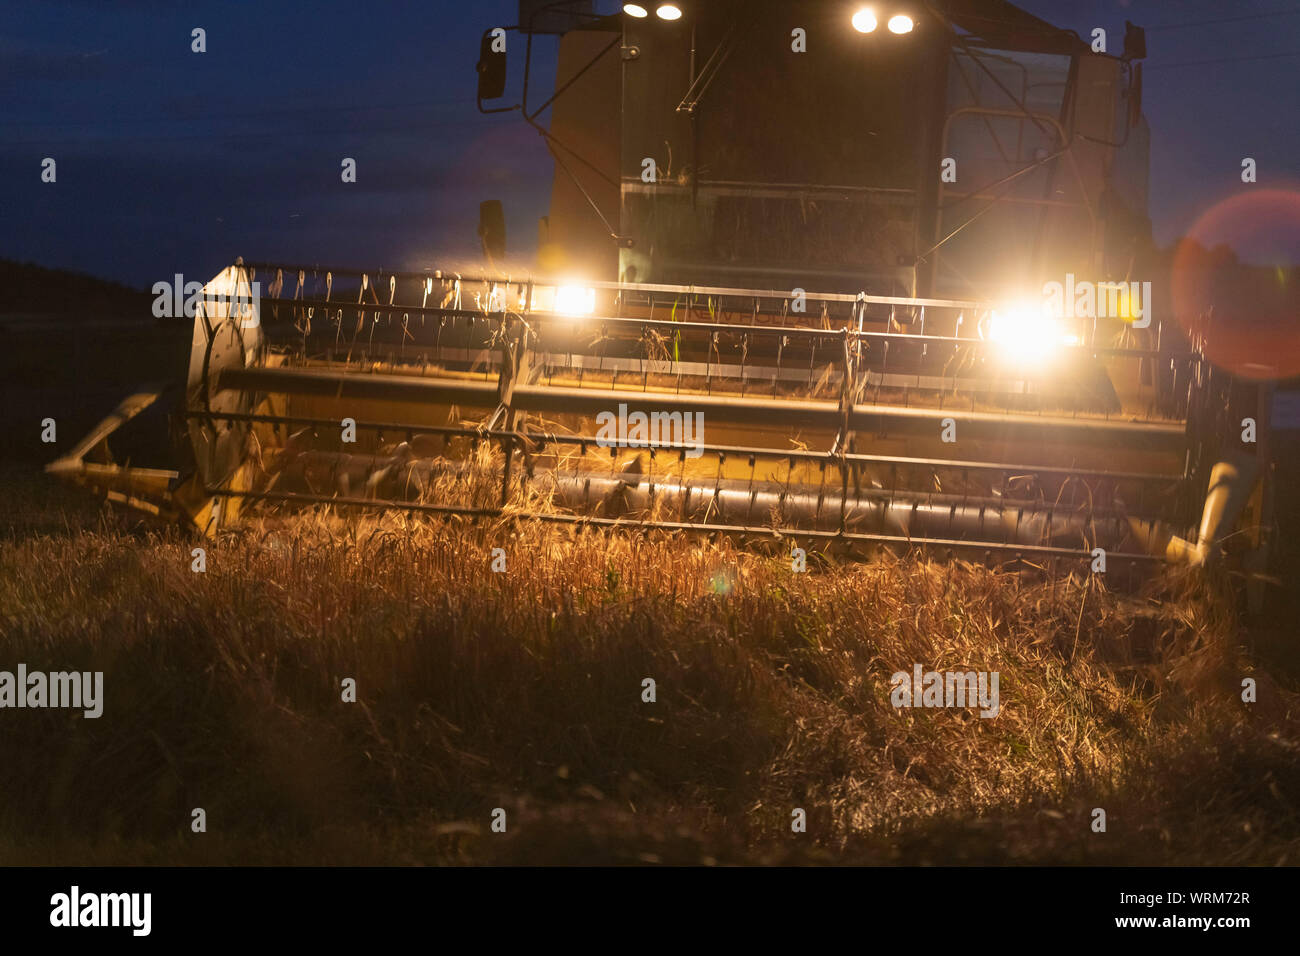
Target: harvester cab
column 810, row 275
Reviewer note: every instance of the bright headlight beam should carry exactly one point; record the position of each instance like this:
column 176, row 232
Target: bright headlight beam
column 864, row 21
column 900, row 23
column 1026, row 333
column 668, row 11
column 635, row 10
column 575, row 300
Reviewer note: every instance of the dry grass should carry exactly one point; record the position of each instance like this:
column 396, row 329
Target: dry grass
column 522, row 690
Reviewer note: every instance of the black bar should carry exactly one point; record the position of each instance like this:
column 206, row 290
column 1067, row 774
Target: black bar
column 937, row 906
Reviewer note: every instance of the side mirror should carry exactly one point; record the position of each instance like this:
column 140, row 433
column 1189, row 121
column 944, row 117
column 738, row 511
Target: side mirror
column 492, row 229
column 492, row 65
column 1135, row 42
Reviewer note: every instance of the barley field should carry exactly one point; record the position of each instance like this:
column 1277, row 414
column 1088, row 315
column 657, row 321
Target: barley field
column 523, row 690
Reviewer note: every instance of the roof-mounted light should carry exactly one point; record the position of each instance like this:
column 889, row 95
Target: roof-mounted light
column 900, row 23
column 864, row 21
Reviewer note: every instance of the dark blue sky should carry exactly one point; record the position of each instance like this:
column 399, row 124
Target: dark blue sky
column 170, row 161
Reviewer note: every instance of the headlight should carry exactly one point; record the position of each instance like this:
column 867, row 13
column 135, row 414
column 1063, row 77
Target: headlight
column 575, row 300
column 1026, row 332
column 864, row 21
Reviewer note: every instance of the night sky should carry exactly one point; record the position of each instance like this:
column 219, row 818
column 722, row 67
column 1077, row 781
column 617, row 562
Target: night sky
column 170, row 161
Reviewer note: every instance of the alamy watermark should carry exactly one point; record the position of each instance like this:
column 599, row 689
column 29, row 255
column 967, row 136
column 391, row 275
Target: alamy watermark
column 75, row 908
column 180, row 298
column 922, row 688
column 1071, row 299
column 78, row 690
column 655, row 429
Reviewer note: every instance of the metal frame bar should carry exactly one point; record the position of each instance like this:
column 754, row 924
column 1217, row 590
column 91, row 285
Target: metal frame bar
column 689, row 290
column 558, row 399
column 793, row 454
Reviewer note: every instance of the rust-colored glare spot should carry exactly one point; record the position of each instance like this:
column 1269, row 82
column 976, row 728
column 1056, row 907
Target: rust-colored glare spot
column 1245, row 313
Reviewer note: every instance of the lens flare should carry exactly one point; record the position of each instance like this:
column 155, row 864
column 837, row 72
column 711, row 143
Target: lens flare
column 1235, row 284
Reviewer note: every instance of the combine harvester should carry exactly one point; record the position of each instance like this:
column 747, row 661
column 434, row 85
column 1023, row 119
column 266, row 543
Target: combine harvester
column 795, row 271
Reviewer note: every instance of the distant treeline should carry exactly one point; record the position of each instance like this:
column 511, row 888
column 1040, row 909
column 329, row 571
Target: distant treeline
column 26, row 287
